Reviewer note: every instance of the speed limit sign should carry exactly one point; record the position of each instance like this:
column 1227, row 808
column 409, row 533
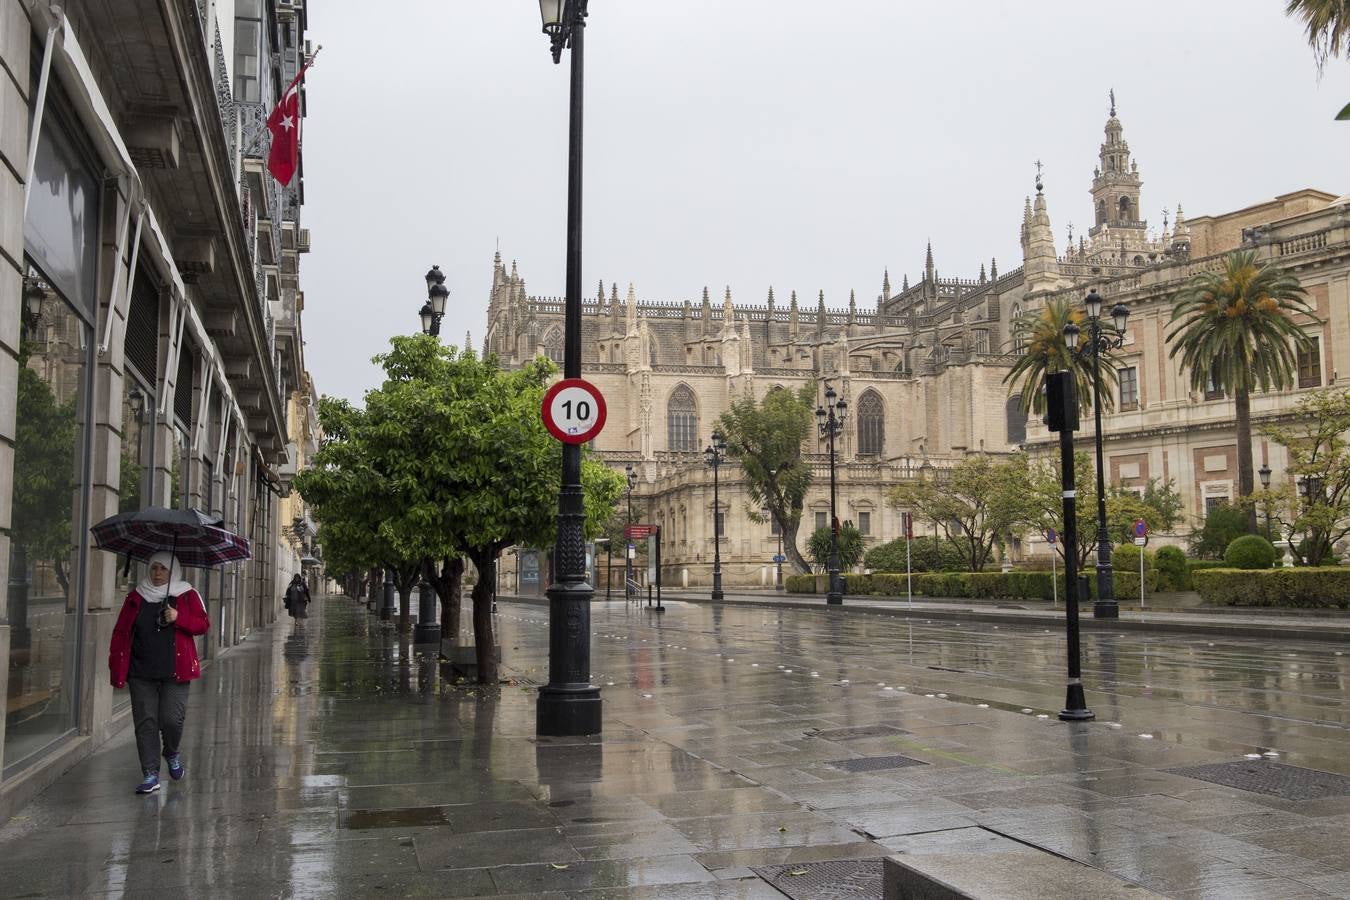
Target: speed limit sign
column 574, row 411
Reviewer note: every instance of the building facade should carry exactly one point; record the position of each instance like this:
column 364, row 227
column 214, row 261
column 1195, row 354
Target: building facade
column 150, row 343
column 923, row 368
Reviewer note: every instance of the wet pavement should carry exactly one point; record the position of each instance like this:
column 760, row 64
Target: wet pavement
column 742, row 744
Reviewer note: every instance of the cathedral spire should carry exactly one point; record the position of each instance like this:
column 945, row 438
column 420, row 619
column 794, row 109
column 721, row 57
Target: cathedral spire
column 929, row 272
column 982, row 275
column 1041, row 264
column 1116, row 182
column 886, row 284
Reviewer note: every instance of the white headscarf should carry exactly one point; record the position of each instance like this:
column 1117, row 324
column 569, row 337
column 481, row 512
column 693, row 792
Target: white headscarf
column 176, row 586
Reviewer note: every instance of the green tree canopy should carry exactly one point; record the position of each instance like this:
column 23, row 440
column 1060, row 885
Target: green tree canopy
column 766, row 437
column 977, row 504
column 1315, row 439
column 1237, row 329
column 450, row 457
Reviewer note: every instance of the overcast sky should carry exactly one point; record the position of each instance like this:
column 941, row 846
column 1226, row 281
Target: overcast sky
column 752, row 143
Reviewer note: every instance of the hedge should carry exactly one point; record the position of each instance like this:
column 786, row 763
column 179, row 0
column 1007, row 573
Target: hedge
column 800, row 584
column 1308, row 588
column 1015, row 585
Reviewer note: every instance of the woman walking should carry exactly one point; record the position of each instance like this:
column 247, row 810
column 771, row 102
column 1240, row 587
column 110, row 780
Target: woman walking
column 297, row 598
column 154, row 653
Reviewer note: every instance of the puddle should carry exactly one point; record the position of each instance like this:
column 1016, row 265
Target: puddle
column 408, row 817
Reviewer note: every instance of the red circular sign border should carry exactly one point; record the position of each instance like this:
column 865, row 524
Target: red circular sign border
column 601, row 411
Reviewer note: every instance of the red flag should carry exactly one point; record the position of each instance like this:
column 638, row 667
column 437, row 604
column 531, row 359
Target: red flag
column 284, row 123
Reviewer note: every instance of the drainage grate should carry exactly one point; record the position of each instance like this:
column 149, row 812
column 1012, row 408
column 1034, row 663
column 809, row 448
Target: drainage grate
column 874, row 763
column 855, row 879
column 408, row 817
column 859, row 731
column 1271, row 778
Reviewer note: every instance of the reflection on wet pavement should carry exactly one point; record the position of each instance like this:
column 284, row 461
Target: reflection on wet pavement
column 337, row 761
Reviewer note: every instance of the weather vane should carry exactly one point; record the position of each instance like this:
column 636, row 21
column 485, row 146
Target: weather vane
column 1038, row 174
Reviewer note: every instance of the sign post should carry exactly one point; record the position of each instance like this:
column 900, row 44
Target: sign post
column 907, row 522
column 1054, row 577
column 1141, row 541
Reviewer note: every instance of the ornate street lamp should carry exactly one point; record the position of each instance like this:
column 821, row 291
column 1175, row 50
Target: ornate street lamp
column 569, row 704
column 631, row 479
column 830, row 418
column 136, row 404
column 1264, row 474
column 432, row 311
column 716, row 453
column 1105, row 607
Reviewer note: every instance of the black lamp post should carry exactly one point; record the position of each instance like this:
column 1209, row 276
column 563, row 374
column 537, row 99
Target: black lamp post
column 1264, row 474
column 569, row 704
column 631, row 477
column 715, row 454
column 432, row 311
column 1105, row 607
column 830, row 418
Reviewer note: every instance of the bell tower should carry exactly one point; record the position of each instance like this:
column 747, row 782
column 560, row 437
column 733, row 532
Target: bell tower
column 1115, row 182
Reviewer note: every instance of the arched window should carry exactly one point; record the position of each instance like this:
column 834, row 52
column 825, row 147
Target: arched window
column 682, row 421
column 871, row 424
column 553, row 345
column 1125, row 213
column 1101, row 211
column 1017, row 421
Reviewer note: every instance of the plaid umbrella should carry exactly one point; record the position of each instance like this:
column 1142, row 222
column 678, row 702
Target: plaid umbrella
column 195, row 538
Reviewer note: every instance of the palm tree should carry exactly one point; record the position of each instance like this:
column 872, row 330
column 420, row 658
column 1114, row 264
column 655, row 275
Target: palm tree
column 1236, row 330
column 1038, row 335
column 1328, row 31
column 1328, row 24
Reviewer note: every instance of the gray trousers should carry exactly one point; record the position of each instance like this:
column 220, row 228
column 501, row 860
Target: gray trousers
column 158, row 708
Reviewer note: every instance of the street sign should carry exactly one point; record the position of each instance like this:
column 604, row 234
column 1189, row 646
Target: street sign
column 637, row 532
column 1050, row 536
column 779, row 558
column 1140, row 528
column 1141, row 541
column 574, row 411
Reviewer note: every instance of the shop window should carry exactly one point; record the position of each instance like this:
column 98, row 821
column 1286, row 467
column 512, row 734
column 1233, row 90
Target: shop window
column 44, row 597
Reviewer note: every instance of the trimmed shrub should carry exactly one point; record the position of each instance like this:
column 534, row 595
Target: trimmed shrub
column 800, row 584
column 1251, row 551
column 1126, row 557
column 926, row 555
column 1307, row 588
column 858, row 584
column 1172, row 572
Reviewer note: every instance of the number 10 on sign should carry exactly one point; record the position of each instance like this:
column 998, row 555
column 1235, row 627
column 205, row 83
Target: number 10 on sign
column 574, row 411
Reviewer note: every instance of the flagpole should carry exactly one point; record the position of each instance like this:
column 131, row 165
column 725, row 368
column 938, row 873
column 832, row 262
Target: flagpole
column 254, row 143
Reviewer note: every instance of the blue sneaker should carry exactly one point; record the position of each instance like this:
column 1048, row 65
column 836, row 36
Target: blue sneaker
column 149, row 784
column 176, row 769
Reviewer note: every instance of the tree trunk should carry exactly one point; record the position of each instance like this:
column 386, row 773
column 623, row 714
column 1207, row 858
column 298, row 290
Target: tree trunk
column 1242, row 405
column 406, row 580
column 485, row 643
column 790, row 548
column 449, row 585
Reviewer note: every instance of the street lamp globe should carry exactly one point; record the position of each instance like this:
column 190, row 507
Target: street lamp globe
column 428, row 317
column 1120, row 314
column 1071, row 334
column 434, row 276
column 436, row 296
column 551, row 11
column 1264, row 473
column 1094, row 304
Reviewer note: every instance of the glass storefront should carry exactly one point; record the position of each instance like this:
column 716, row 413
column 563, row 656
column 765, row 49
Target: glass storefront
column 44, row 597
column 49, row 517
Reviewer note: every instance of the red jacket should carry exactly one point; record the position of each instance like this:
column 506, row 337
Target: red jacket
column 191, row 621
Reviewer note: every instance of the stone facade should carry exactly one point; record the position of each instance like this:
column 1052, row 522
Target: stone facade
column 928, row 359
column 150, row 343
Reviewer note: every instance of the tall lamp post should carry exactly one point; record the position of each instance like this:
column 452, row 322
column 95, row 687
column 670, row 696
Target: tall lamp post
column 1310, row 486
column 632, row 477
column 432, row 311
column 1264, row 474
column 715, row 454
column 569, row 704
column 1105, row 607
column 830, row 418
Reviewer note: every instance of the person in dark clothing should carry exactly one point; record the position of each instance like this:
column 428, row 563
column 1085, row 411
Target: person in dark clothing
column 297, row 598
column 154, row 654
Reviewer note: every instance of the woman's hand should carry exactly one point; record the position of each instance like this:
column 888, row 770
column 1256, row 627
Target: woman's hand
column 170, row 615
